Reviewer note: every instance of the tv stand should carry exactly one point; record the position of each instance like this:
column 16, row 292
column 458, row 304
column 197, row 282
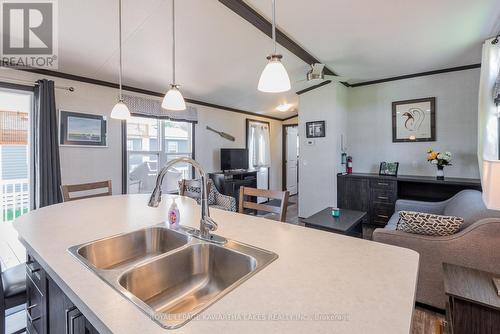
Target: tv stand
column 229, row 182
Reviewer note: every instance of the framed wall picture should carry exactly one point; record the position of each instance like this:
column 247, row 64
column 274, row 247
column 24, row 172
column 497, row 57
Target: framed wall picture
column 79, row 129
column 389, row 168
column 315, row 129
column 414, row 120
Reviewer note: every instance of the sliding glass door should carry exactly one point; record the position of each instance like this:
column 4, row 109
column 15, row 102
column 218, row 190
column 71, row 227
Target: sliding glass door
column 15, row 110
column 151, row 143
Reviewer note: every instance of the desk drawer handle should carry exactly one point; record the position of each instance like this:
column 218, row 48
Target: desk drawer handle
column 383, row 197
column 31, row 307
column 382, row 216
column 31, row 269
column 383, row 184
column 31, row 320
column 70, row 319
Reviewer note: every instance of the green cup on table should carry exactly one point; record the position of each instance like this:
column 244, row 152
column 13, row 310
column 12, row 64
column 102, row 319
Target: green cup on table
column 336, row 212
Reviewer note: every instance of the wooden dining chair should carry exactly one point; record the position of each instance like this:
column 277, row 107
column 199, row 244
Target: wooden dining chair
column 68, row 189
column 270, row 194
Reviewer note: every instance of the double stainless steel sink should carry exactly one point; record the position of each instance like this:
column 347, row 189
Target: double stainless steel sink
column 168, row 274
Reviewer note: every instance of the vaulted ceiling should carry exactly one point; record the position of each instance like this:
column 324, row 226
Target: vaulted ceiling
column 220, row 56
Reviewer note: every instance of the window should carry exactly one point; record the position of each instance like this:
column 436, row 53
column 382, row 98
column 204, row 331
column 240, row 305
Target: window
column 172, row 147
column 150, row 144
column 259, row 147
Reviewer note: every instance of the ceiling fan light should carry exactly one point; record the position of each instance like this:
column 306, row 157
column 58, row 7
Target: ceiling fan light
column 274, row 78
column 120, row 111
column 315, row 76
column 284, row 107
column 173, row 100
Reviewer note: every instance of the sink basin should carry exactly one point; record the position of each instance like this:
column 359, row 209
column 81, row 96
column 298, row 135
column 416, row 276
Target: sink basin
column 188, row 279
column 129, row 248
column 168, row 274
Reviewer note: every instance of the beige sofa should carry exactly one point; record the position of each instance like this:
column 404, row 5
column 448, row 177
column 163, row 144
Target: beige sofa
column 476, row 244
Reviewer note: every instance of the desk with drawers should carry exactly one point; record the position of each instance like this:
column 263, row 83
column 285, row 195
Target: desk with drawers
column 377, row 194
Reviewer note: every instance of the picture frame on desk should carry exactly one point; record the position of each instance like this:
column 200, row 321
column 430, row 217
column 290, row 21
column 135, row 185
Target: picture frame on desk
column 388, row 168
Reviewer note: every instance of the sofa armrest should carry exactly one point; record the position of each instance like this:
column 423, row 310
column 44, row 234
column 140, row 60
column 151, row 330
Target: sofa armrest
column 476, row 246
column 420, row 206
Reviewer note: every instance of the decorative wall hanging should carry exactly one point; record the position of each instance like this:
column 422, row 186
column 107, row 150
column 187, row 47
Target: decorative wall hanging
column 315, row 129
column 79, row 129
column 414, row 120
column 222, row 134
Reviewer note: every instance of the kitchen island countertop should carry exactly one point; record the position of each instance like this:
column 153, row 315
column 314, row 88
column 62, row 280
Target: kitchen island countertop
column 321, row 283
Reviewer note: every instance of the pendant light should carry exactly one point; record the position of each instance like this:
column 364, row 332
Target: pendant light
column 120, row 110
column 173, row 100
column 274, row 78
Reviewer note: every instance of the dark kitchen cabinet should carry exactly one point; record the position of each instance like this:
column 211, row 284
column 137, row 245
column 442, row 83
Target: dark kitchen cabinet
column 49, row 310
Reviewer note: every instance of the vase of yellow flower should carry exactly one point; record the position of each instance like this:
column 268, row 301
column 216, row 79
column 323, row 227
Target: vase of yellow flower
column 440, row 160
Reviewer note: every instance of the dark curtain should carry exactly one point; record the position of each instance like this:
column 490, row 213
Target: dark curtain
column 47, row 166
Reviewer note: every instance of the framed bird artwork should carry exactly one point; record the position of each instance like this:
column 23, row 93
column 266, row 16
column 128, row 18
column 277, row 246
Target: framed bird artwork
column 414, row 120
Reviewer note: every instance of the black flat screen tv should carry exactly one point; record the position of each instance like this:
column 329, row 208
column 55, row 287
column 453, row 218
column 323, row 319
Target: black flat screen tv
column 233, row 158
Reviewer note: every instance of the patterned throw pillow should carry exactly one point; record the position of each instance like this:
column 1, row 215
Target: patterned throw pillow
column 193, row 190
column 428, row 224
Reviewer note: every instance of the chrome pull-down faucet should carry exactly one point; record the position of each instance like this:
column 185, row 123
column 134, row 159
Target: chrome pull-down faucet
column 207, row 224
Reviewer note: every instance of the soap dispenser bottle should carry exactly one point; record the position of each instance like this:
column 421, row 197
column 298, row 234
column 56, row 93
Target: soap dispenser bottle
column 173, row 213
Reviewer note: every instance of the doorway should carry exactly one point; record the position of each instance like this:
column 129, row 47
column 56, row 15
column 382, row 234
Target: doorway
column 15, row 110
column 290, row 158
column 16, row 104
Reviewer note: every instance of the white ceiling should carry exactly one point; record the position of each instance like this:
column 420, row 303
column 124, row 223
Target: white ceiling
column 367, row 40
column 220, row 56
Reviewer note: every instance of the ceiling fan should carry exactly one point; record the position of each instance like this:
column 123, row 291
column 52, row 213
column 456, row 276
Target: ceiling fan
column 316, row 74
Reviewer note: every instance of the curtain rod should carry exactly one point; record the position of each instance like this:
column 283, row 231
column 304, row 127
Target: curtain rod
column 68, row 88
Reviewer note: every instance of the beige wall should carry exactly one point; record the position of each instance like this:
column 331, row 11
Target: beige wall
column 369, row 124
column 319, row 158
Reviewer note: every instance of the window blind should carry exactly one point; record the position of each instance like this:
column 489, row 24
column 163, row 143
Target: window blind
column 147, row 107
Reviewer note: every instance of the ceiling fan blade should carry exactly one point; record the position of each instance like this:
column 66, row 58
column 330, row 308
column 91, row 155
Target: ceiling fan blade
column 336, row 78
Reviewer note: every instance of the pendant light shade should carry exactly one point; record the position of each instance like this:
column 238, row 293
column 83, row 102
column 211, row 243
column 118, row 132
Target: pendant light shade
column 120, row 110
column 173, row 100
column 274, row 78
